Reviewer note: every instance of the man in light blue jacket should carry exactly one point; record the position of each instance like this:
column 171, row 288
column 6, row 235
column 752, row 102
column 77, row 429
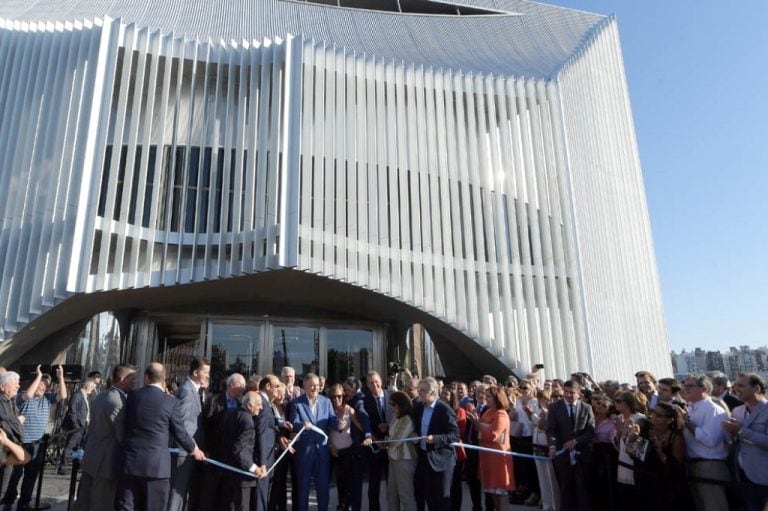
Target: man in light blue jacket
column 749, row 426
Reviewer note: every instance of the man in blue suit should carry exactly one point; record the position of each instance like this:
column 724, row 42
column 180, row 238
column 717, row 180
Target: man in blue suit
column 312, row 456
column 152, row 417
column 185, row 472
column 749, row 426
column 436, row 421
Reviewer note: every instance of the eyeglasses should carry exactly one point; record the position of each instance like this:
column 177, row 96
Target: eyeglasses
column 691, row 385
column 619, row 400
column 337, row 396
column 557, row 396
column 392, row 404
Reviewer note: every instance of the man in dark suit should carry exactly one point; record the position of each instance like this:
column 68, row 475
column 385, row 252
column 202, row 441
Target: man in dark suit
column 215, row 414
column 152, row 417
column 267, row 437
column 361, row 438
column 376, row 403
column 242, row 449
column 313, row 458
column 434, row 469
column 75, row 422
column 185, row 473
column 101, row 462
column 571, row 426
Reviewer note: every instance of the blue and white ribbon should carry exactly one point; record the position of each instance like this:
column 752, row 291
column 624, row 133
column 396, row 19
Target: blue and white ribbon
column 510, row 453
column 295, row 439
column 210, row 461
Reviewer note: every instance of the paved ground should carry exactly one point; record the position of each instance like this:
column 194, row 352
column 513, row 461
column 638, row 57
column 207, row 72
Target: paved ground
column 56, row 488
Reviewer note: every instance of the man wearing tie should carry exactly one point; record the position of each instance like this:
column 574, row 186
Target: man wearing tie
column 571, row 426
column 312, row 455
column 265, row 426
column 376, row 404
column 101, row 461
column 185, row 474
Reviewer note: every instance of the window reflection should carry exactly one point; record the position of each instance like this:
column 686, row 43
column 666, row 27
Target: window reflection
column 350, row 353
column 298, row 347
column 234, row 349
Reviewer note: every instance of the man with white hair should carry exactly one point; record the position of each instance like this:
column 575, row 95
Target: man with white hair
column 214, row 418
column 436, row 421
column 35, row 406
column 288, row 377
column 10, row 421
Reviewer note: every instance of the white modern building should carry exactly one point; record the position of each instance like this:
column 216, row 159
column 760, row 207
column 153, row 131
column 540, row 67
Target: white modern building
column 276, row 182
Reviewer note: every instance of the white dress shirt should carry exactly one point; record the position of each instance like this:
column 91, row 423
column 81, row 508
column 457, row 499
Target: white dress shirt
column 708, row 440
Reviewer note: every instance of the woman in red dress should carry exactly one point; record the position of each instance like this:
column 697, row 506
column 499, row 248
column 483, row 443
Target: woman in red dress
column 495, row 471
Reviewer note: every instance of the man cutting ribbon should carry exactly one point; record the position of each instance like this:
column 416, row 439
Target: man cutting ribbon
column 312, row 453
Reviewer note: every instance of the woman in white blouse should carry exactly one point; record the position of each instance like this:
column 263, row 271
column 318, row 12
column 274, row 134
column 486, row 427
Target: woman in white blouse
column 402, row 455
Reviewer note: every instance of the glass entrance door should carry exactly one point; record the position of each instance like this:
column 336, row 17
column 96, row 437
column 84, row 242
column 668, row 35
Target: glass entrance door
column 296, row 346
column 234, row 348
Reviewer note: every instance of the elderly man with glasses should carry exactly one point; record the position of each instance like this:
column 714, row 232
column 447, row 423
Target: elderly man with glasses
column 706, row 444
column 436, row 421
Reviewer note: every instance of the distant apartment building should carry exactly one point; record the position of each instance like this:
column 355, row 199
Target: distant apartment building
column 732, row 362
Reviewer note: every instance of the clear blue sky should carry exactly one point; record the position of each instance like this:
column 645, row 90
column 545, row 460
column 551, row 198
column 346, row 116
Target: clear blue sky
column 698, row 82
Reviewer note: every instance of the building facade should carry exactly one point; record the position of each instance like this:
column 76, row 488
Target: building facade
column 286, row 182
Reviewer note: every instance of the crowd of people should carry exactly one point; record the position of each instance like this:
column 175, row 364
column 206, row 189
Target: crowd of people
column 562, row 445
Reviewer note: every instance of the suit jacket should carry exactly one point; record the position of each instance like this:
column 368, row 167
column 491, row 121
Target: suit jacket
column 374, row 412
column 732, row 401
column 752, row 448
column 239, row 446
column 152, row 417
column 560, row 429
column 358, row 435
column 77, row 413
column 191, row 410
column 105, row 435
column 310, row 442
column 445, row 430
column 266, row 433
column 215, row 414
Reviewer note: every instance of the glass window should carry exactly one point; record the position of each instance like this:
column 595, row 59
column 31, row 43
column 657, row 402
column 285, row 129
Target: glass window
column 298, row 347
column 234, row 349
column 350, row 353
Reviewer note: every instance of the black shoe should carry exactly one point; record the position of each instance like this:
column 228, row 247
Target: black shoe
column 61, row 471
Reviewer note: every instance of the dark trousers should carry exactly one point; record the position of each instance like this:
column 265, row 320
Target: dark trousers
column 433, row 489
column 456, row 493
column 236, row 497
column 30, row 471
column 349, row 480
column 754, row 496
column 525, row 468
column 573, row 481
column 278, row 492
column 143, row 494
column 378, row 468
column 473, row 482
column 212, row 492
column 74, row 440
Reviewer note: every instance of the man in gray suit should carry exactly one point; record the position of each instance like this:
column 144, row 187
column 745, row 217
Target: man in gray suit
column 749, row 426
column 185, row 477
column 101, row 461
